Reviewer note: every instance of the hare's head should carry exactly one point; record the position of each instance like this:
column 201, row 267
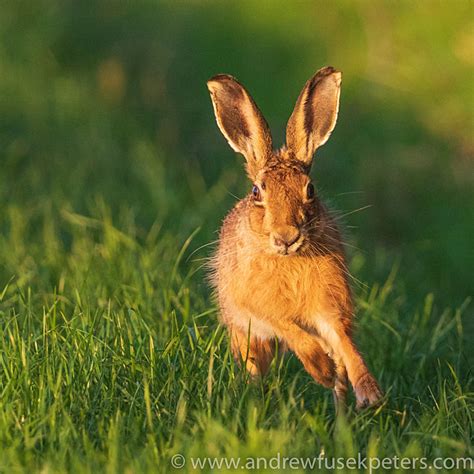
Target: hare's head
column 284, row 201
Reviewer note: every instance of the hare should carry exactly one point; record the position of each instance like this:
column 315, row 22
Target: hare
column 279, row 271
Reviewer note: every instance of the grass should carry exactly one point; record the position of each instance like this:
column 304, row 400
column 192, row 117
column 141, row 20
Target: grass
column 113, row 176
column 121, row 363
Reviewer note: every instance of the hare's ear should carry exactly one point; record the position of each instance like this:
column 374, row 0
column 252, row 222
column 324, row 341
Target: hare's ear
column 315, row 114
column 240, row 121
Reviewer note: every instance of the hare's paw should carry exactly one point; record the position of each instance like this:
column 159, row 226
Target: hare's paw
column 367, row 391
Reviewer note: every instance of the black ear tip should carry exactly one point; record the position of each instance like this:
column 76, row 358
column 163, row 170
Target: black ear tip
column 327, row 71
column 324, row 73
column 226, row 86
column 222, row 78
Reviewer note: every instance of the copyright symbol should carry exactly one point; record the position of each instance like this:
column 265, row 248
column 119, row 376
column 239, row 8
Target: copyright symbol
column 178, row 461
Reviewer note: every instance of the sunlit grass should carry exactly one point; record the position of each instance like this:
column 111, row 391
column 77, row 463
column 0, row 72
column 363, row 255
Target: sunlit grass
column 112, row 358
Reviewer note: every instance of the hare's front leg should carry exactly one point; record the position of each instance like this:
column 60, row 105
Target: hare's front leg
column 308, row 348
column 255, row 352
column 337, row 332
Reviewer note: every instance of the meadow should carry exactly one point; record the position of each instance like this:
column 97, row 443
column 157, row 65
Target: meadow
column 114, row 180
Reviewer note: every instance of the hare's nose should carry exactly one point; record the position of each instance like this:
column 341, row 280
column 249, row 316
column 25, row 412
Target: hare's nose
column 286, row 238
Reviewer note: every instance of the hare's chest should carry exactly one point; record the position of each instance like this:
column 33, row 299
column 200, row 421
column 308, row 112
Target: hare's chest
column 279, row 288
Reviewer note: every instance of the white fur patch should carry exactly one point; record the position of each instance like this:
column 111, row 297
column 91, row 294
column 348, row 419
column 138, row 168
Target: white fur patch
column 258, row 328
column 327, row 333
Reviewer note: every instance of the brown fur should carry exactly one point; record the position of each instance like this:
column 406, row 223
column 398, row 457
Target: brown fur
column 280, row 271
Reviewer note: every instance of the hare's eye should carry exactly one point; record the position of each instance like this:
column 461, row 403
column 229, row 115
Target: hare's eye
column 310, row 191
column 256, row 193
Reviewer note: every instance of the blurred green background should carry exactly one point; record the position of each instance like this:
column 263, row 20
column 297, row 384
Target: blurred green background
column 105, row 104
column 110, row 159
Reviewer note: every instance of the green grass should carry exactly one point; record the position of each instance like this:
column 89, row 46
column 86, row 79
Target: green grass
column 120, row 363
column 114, row 178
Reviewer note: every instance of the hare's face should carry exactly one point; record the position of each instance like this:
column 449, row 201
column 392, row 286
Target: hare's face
column 283, row 203
column 284, row 207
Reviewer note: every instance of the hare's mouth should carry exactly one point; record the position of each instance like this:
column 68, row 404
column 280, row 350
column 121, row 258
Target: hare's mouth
column 287, row 250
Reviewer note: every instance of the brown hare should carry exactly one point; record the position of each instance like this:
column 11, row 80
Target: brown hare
column 280, row 271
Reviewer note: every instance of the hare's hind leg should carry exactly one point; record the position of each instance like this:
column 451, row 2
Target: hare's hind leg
column 254, row 352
